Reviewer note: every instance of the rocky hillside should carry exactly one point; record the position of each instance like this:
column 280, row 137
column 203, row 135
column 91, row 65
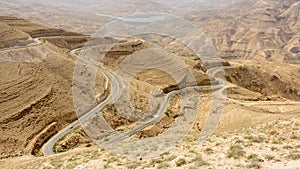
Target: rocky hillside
column 10, row 36
column 258, row 29
column 34, row 29
column 19, row 32
column 267, row 79
column 260, row 38
column 35, row 89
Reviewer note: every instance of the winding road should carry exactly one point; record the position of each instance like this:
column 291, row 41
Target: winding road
column 47, row 148
column 219, row 93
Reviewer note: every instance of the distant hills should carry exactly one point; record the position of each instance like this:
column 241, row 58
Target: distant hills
column 260, row 30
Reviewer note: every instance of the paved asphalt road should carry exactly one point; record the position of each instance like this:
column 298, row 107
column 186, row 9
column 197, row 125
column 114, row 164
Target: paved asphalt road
column 47, row 148
column 219, row 94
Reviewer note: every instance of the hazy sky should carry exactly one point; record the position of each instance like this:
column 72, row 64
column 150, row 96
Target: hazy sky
column 180, row 5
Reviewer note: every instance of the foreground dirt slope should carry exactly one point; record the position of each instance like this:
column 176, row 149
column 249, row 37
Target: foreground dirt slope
column 271, row 145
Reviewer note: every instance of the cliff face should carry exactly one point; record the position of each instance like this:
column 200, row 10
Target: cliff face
column 267, row 78
column 259, row 30
column 10, row 36
column 20, row 32
column 34, row 29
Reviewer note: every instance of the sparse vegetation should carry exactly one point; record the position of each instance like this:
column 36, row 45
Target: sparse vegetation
column 274, row 148
column 269, row 157
column 277, row 141
column 167, row 112
column 253, row 157
column 56, row 163
column 238, row 141
column 209, row 151
column 295, row 137
column 133, row 165
column 172, row 157
column 256, row 139
column 180, row 162
column 236, row 152
column 112, row 160
column 163, row 165
column 199, row 161
column 156, row 161
column 287, row 147
column 295, row 155
column 274, row 132
column 254, row 165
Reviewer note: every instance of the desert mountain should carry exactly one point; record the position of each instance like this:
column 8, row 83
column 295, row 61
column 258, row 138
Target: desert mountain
column 256, row 30
column 11, row 36
column 36, row 85
column 259, row 38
